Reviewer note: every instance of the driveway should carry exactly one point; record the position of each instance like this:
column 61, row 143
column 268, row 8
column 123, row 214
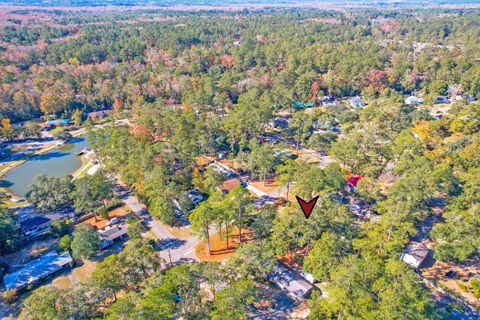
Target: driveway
column 172, row 248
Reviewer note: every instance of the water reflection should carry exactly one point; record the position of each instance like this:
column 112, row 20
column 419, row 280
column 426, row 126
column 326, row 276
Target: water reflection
column 58, row 162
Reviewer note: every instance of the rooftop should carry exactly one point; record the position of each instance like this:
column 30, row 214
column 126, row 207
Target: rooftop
column 417, row 250
column 229, row 184
column 33, row 222
column 114, row 233
column 58, row 122
column 289, row 280
column 36, row 270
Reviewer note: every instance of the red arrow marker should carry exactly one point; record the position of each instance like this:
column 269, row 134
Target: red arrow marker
column 307, row 207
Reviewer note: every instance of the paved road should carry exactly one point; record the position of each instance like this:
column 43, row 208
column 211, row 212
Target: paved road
column 176, row 249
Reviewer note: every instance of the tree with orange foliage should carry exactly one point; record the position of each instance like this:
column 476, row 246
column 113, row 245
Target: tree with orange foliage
column 49, row 103
column 7, row 129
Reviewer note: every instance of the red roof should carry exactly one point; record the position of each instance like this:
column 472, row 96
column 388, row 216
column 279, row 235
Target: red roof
column 229, row 184
column 353, row 179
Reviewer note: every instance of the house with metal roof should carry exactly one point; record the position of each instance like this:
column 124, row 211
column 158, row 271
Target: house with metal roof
column 37, row 269
column 301, row 105
column 112, row 234
column 58, row 122
column 290, row 281
column 415, row 254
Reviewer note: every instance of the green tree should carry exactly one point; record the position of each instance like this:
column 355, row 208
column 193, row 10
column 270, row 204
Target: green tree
column 286, row 173
column 364, row 288
column 301, row 126
column 261, row 159
column 200, row 220
column 48, row 194
column 252, row 259
column 239, row 201
column 77, row 118
column 90, row 192
column 134, row 229
column 85, row 243
column 107, row 277
column 44, row 303
column 232, row 302
column 262, row 221
column 9, row 233
column 59, row 228
column 212, row 180
column 326, row 254
column 65, row 243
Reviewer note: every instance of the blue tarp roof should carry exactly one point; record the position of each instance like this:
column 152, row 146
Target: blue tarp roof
column 57, row 122
column 301, row 105
column 37, row 269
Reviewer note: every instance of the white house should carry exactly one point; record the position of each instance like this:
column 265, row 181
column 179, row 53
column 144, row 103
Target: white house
column 412, row 100
column 357, row 102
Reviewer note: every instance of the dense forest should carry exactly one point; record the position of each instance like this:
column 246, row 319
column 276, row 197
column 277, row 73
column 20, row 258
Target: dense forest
column 195, row 84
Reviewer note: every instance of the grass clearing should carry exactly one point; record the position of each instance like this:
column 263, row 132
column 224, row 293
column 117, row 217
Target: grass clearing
column 84, row 272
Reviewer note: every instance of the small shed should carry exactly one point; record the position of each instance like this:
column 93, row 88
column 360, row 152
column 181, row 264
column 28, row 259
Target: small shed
column 415, row 254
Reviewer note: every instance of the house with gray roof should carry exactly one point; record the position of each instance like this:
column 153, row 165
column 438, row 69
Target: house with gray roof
column 357, row 102
column 290, row 281
column 36, row 270
column 415, row 254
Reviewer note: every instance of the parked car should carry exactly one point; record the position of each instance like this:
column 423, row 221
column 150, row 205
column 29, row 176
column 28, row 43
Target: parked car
column 195, row 196
column 113, row 221
column 222, row 155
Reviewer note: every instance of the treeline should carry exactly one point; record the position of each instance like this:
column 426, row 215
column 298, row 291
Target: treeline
column 196, row 59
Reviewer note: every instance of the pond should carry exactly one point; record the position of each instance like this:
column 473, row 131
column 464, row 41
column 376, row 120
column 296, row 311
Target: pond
column 57, row 162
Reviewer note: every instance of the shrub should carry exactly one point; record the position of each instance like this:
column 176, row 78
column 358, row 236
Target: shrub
column 10, row 296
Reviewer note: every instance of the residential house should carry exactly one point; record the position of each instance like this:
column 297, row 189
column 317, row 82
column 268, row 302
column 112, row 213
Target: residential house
column 357, row 102
column 412, row 101
column 222, row 169
column 98, row 114
column 56, row 123
column 290, row 281
column 470, row 98
column 36, row 270
column 34, row 225
column 301, row 105
column 441, row 99
column 329, row 101
column 112, row 234
column 229, row 184
column 415, row 254
column 279, row 122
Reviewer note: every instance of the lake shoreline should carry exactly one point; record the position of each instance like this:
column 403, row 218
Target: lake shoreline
column 17, row 165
